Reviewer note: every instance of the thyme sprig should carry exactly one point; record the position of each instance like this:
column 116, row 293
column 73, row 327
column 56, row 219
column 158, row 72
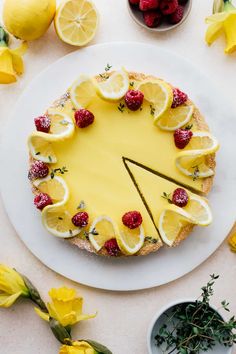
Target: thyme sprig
column 195, row 175
column 152, row 110
column 194, row 327
column 59, row 170
column 105, row 76
column 150, row 239
column 167, row 197
column 121, row 107
column 92, row 232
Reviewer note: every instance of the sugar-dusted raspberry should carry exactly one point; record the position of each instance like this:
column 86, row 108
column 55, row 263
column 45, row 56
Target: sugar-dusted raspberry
column 112, row 247
column 146, row 5
column 80, row 219
column 168, row 6
column 177, row 16
column 179, row 97
column 42, row 124
column 182, row 137
column 132, row 219
column 83, row 118
column 134, row 99
column 180, row 197
column 42, row 200
column 152, row 18
column 38, row 169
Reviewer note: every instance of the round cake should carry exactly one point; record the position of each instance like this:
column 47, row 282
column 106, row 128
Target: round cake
column 121, row 164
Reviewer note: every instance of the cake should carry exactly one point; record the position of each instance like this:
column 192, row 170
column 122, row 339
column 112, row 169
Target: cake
column 121, row 164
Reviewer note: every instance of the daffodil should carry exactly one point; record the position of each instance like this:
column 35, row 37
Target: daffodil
column 65, row 307
column 12, row 286
column 232, row 242
column 222, row 22
column 11, row 62
column 79, row 347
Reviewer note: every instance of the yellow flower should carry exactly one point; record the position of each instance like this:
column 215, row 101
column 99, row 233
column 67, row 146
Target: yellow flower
column 65, row 307
column 223, row 22
column 77, row 348
column 232, row 242
column 12, row 286
column 11, row 63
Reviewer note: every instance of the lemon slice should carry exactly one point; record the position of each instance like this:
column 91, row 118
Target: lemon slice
column 171, row 223
column 193, row 160
column 82, row 92
column 114, row 87
column 175, row 118
column 130, row 241
column 159, row 94
column 199, row 210
column 55, row 187
column 57, row 220
column 61, row 125
column 101, row 230
column 40, row 148
column 76, row 21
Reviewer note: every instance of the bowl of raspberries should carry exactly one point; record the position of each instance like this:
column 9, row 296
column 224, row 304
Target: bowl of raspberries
column 159, row 15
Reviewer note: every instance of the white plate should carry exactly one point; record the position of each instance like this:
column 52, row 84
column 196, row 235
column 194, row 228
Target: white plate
column 127, row 273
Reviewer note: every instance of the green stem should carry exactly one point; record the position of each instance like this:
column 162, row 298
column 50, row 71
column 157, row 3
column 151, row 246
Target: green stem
column 4, row 37
column 228, row 6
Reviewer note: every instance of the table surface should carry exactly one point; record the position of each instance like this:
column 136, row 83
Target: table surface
column 123, row 318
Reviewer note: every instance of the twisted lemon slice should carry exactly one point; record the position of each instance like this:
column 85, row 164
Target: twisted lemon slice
column 175, row 118
column 82, row 92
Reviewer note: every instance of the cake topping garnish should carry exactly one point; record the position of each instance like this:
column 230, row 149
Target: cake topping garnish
column 168, row 6
column 81, row 205
column 179, row 97
column 83, row 118
column 42, row 124
column 80, row 219
column 106, row 75
column 38, row 169
column 180, row 197
column 42, row 200
column 58, row 170
column 134, row 99
column 132, row 219
column 182, row 137
column 112, row 247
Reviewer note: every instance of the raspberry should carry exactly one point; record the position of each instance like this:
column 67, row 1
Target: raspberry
column 42, row 123
column 112, row 247
column 134, row 2
column 182, row 137
column 145, row 5
column 80, row 219
column 132, row 219
column 152, row 18
column 168, row 6
column 177, row 16
column 38, row 169
column 134, row 99
column 179, row 98
column 180, row 197
column 83, row 118
column 42, row 200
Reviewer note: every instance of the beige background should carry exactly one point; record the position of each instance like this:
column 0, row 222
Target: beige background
column 123, row 318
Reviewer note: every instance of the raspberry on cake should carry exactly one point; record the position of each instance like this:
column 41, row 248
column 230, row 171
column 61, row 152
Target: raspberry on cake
column 42, row 200
column 182, row 137
column 38, row 169
column 83, row 118
column 180, row 197
column 132, row 219
column 42, row 124
column 179, row 97
column 134, row 99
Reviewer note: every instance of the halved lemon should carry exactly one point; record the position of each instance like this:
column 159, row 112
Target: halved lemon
column 82, row 92
column 101, row 230
column 57, row 220
column 56, row 187
column 130, row 241
column 76, row 21
column 193, row 160
column 114, row 87
column 40, row 148
column 175, row 118
column 61, row 124
column 159, row 94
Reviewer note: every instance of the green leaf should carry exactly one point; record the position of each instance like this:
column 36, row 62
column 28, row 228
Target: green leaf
column 60, row 332
column 100, row 348
column 34, row 294
column 218, row 6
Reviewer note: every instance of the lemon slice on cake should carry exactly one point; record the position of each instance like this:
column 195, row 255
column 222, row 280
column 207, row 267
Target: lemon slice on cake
column 175, row 118
column 199, row 210
column 159, row 94
column 76, row 21
column 56, row 187
column 130, row 240
column 101, row 230
column 40, row 148
column 82, row 92
column 113, row 87
column 194, row 159
column 61, row 125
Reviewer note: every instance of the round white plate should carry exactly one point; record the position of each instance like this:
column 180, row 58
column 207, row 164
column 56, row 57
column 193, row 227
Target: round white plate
column 125, row 273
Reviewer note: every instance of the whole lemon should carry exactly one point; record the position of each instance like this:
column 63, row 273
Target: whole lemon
column 28, row 19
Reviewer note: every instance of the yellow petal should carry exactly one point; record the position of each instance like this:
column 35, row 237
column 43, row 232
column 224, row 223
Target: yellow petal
column 7, row 73
column 21, row 49
column 219, row 17
column 62, row 294
column 213, row 32
column 11, row 282
column 43, row 315
column 8, row 300
column 85, row 317
column 17, row 63
column 230, row 34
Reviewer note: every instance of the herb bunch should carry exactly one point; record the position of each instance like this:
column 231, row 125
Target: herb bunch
column 194, row 327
